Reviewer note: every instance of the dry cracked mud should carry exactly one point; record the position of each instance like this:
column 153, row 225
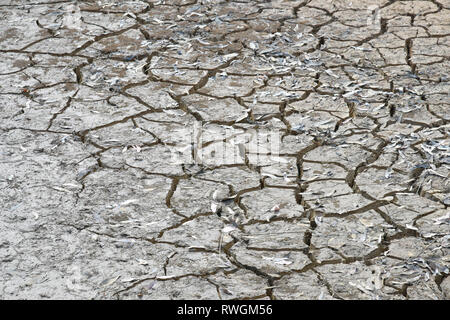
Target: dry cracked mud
column 95, row 97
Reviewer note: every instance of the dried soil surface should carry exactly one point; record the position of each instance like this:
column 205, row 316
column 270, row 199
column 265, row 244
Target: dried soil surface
column 95, row 97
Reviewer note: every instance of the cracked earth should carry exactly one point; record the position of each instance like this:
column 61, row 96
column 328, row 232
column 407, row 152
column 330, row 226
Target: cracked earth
column 93, row 93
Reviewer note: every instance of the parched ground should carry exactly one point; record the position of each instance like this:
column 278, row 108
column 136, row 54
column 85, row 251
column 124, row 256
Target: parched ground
column 98, row 100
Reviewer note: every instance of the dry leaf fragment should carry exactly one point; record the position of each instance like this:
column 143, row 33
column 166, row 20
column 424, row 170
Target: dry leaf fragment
column 107, row 283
